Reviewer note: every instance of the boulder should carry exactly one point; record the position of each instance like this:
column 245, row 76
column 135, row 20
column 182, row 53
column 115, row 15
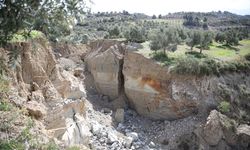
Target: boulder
column 77, row 131
column 96, row 128
column 112, row 137
column 105, row 64
column 119, row 115
column 212, row 130
column 73, row 88
column 128, row 142
column 67, row 64
column 133, row 135
column 35, row 109
column 219, row 128
column 243, row 132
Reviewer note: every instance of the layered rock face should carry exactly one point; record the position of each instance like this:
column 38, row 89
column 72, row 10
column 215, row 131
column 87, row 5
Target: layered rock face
column 51, row 92
column 39, row 66
column 147, row 86
column 105, row 64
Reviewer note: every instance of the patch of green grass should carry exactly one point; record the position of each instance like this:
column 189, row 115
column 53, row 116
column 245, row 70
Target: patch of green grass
column 196, row 54
column 217, row 51
column 4, row 106
column 220, row 52
column 73, row 148
column 224, row 107
column 244, row 47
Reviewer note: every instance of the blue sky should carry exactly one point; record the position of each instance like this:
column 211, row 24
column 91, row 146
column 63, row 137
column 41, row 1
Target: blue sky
column 151, row 7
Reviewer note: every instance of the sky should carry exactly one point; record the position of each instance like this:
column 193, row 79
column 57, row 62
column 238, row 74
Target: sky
column 157, row 7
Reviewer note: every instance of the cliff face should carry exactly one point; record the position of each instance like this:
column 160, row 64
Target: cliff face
column 105, row 64
column 154, row 92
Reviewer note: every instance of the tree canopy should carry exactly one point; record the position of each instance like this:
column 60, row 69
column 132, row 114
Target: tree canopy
column 52, row 17
column 165, row 39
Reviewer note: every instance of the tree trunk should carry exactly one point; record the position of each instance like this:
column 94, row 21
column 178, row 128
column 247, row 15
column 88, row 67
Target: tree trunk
column 164, row 51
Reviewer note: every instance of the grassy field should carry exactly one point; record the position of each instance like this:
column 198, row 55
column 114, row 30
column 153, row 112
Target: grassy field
column 216, row 50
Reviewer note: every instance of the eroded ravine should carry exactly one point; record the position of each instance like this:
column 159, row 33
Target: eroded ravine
column 104, row 97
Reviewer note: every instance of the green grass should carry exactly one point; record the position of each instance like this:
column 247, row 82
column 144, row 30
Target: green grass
column 217, row 51
column 224, row 107
column 4, row 106
column 244, row 47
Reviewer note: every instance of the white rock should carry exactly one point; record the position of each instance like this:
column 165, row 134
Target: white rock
column 96, row 128
column 120, row 126
column 112, row 137
column 152, row 144
column 133, row 135
column 77, row 132
column 128, row 142
column 75, row 88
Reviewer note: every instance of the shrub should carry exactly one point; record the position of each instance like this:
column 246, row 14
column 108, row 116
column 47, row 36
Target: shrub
column 163, row 58
column 224, row 107
column 195, row 66
column 247, row 56
column 207, row 66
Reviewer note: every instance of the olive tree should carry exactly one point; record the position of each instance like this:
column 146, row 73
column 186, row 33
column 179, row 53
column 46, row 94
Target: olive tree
column 164, row 39
column 53, row 18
